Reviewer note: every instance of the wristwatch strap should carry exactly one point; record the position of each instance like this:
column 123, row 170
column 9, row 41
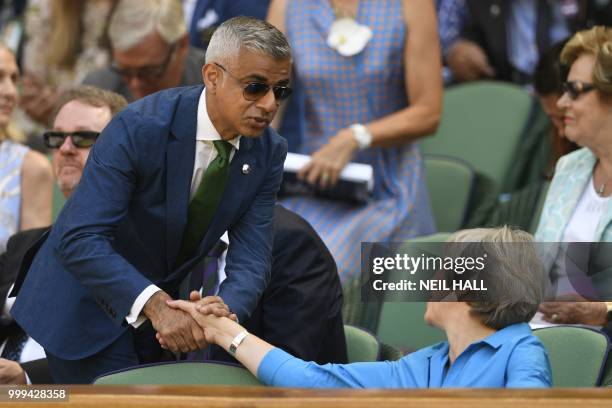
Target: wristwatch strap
column 237, row 341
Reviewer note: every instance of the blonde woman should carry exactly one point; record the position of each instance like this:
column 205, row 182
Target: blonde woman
column 25, row 176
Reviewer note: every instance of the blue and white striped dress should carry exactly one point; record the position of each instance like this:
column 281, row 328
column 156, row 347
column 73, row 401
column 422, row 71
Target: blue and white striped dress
column 339, row 91
column 11, row 160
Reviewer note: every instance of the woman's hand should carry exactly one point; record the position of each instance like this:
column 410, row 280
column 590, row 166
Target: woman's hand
column 204, row 311
column 323, row 169
column 212, row 305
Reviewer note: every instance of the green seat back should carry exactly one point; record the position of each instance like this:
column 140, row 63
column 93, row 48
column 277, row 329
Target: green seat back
column 577, row 354
column 182, row 373
column 606, row 379
column 482, row 123
column 402, row 326
column 58, row 196
column 401, row 323
column 450, row 183
column 58, row 201
column 361, row 345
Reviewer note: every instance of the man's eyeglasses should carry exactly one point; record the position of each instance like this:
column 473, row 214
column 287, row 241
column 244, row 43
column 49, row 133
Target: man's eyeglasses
column 257, row 90
column 575, row 88
column 81, row 138
column 146, row 73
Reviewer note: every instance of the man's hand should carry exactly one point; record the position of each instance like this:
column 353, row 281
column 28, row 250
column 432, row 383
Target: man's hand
column 590, row 313
column 11, row 372
column 179, row 330
column 210, row 305
column 468, row 61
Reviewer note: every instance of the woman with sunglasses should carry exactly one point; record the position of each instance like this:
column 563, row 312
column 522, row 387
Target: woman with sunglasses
column 26, row 179
column 369, row 72
column 578, row 206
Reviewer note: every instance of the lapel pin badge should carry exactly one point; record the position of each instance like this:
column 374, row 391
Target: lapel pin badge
column 246, row 169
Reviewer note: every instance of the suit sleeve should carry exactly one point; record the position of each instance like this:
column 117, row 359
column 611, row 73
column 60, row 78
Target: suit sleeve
column 87, row 224
column 249, row 255
column 302, row 294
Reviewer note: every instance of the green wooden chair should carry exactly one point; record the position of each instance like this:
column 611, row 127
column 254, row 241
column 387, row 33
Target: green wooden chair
column 483, row 124
column 181, row 373
column 606, row 378
column 450, row 182
column 361, row 345
column 577, row 354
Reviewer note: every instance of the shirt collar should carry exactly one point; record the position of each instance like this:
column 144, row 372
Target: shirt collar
column 502, row 336
column 225, row 238
column 206, row 131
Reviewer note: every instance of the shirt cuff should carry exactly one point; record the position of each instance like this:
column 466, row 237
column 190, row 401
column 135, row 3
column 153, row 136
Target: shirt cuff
column 28, row 381
column 134, row 317
column 271, row 363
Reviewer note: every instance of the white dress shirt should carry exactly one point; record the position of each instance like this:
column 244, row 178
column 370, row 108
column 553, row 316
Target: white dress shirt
column 205, row 153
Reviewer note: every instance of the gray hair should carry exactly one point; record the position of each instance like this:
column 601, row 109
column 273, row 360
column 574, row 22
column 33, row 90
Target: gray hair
column 513, row 273
column 246, row 33
column 133, row 20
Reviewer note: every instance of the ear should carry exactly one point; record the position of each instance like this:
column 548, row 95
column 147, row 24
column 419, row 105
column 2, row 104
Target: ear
column 211, row 77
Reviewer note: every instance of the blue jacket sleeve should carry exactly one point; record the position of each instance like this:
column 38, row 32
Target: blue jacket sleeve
column 249, row 256
column 280, row 369
column 528, row 366
column 88, row 221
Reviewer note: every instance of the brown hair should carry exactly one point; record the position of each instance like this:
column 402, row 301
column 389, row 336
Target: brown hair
column 91, row 96
column 596, row 41
column 67, row 32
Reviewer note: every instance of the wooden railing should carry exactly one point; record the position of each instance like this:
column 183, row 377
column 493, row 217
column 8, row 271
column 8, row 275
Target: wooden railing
column 211, row 397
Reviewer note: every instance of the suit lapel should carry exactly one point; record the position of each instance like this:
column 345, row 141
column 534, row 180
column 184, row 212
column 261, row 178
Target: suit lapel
column 576, row 177
column 180, row 156
column 232, row 198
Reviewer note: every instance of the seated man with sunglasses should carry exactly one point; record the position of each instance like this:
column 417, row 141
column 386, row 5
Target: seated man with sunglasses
column 81, row 114
column 165, row 179
column 150, row 50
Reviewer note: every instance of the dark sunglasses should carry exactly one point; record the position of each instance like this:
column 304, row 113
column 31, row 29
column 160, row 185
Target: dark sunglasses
column 147, row 73
column 81, row 138
column 257, row 90
column 575, row 88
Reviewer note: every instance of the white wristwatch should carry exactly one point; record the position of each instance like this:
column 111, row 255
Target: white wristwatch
column 237, row 341
column 361, row 135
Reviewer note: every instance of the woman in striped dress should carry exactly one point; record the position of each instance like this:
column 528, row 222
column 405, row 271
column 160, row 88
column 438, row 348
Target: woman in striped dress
column 26, row 179
column 368, row 87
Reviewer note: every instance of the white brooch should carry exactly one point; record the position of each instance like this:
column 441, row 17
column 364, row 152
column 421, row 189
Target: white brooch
column 348, row 37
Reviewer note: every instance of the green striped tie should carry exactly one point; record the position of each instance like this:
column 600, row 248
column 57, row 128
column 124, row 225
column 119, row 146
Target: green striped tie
column 205, row 202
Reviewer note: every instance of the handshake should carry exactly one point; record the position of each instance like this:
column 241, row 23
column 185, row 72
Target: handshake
column 183, row 326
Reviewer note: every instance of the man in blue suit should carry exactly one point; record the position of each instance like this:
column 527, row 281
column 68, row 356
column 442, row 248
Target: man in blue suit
column 117, row 251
